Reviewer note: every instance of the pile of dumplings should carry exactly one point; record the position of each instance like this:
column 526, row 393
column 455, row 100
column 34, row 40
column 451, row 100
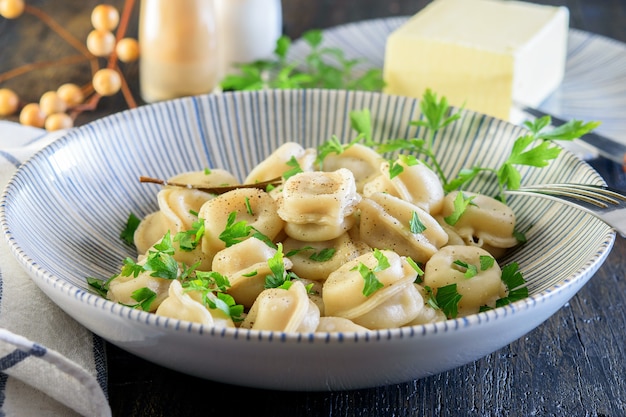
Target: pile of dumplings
column 353, row 207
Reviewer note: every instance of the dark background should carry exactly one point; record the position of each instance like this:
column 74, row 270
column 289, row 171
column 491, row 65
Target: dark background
column 571, row 365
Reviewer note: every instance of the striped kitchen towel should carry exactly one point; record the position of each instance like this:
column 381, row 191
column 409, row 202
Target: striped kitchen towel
column 49, row 364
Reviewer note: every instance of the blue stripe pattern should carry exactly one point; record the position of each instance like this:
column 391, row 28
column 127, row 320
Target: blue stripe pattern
column 18, row 355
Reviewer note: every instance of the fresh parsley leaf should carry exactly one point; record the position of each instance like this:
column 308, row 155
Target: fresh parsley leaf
column 130, row 267
column 323, row 67
column 323, row 255
column 514, row 281
column 415, row 224
column 460, row 205
column 430, row 298
column 383, row 262
column 436, row 112
column 128, row 234
column 277, row 266
column 470, row 270
column 417, row 268
column 361, row 122
column 372, row 284
column 162, row 265
column 101, row 286
column 395, row 169
column 486, row 262
column 235, row 232
column 448, row 298
column 144, row 297
column 295, row 168
column 225, row 303
column 165, row 244
column 332, row 145
column 190, row 239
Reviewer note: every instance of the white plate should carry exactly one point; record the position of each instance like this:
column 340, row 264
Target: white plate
column 594, row 87
column 64, row 209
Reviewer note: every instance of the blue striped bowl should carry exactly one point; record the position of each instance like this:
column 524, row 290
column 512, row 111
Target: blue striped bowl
column 63, row 211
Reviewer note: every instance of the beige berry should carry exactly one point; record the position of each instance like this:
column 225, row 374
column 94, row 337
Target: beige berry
column 127, row 49
column 11, row 9
column 71, row 94
column 101, row 42
column 107, row 82
column 105, row 17
column 50, row 103
column 9, row 101
column 58, row 121
column 31, row 115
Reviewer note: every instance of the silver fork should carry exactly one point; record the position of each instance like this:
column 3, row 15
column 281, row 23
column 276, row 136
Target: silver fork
column 606, row 203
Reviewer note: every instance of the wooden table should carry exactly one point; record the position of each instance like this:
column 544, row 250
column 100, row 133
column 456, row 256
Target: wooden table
column 573, row 364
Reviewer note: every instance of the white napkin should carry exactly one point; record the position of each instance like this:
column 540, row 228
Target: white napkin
column 50, row 365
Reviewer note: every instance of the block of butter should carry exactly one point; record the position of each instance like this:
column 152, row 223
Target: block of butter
column 483, row 54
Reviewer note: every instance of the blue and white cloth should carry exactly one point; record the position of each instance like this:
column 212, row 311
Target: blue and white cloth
column 50, row 365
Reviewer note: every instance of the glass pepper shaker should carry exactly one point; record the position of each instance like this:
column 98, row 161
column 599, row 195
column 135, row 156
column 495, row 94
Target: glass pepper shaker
column 179, row 48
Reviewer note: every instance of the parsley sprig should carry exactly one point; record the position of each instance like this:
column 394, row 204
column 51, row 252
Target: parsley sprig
column 323, row 67
column 534, row 149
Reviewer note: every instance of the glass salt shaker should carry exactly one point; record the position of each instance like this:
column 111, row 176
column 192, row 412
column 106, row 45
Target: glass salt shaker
column 179, row 48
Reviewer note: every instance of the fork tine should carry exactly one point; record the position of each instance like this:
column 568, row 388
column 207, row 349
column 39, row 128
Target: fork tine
column 596, row 196
column 593, row 191
column 606, row 203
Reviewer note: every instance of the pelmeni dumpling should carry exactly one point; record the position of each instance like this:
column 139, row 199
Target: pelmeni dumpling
column 361, row 160
column 177, row 205
column 395, row 304
column 251, row 205
column 245, row 265
column 486, row 222
column 385, row 223
column 482, row 289
column 275, row 165
column 318, row 206
column 428, row 314
column 339, row 324
column 283, row 310
column 188, row 306
column 175, row 214
column 416, row 184
column 309, row 266
column 121, row 288
column 207, row 179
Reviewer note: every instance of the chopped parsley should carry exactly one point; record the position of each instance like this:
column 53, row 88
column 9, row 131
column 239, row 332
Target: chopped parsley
column 372, row 284
column 128, row 234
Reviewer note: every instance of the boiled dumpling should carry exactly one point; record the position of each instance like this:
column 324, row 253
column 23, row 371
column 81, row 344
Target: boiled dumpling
column 483, row 289
column 385, row 223
column 176, row 214
column 245, row 265
column 309, row 266
column 275, row 165
column 188, row 306
column 121, row 288
column 283, row 310
column 394, row 304
column 318, row 206
column 251, row 205
column 486, row 222
column 339, row 324
column 416, row 184
column 361, row 160
column 206, row 179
